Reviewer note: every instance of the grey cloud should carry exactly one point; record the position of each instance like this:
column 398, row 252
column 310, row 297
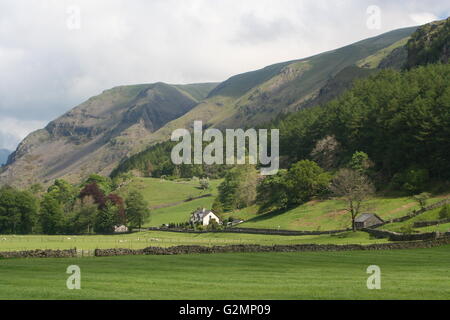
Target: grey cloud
column 254, row 30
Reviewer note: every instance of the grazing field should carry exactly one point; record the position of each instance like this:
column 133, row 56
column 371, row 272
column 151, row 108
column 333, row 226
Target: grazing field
column 177, row 214
column 164, row 192
column 330, row 214
column 166, row 239
column 405, row 274
column 427, row 216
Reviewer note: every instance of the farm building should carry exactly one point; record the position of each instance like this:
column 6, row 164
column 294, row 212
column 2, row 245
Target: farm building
column 204, row 217
column 367, row 220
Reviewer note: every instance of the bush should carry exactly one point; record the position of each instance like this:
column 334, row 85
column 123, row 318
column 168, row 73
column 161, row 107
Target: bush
column 407, row 229
column 414, row 180
column 444, row 213
column 422, row 199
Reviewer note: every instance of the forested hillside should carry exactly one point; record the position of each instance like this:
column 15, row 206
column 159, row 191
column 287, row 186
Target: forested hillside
column 430, row 44
column 400, row 119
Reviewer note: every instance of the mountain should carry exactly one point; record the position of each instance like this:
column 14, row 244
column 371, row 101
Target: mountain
column 430, row 44
column 256, row 97
column 97, row 135
column 4, row 156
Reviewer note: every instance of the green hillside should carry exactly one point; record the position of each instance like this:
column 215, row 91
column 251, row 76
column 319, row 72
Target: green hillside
column 330, row 214
column 430, row 44
column 197, row 91
column 172, row 201
column 164, row 192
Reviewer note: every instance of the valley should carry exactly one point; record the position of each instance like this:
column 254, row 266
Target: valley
column 362, row 179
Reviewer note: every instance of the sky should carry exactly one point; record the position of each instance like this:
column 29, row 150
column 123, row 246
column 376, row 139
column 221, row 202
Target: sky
column 55, row 54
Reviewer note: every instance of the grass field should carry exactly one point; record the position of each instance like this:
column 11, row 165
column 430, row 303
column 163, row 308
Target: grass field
column 330, row 214
column 427, row 216
column 405, row 274
column 164, row 192
column 165, row 239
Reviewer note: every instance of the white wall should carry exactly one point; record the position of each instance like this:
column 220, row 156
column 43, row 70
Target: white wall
column 208, row 217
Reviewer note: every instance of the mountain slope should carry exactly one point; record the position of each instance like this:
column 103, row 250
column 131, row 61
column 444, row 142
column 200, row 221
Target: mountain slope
column 257, row 97
column 97, row 134
column 430, row 44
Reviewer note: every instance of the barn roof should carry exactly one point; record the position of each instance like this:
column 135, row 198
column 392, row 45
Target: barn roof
column 365, row 216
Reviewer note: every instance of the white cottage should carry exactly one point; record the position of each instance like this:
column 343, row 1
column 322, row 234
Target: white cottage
column 204, row 217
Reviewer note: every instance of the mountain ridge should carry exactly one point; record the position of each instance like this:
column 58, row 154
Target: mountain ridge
column 96, row 135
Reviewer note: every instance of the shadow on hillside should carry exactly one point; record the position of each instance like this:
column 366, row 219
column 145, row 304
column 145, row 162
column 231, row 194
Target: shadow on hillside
column 269, row 215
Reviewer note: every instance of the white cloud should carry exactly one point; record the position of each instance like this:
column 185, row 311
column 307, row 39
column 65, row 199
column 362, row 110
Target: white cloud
column 12, row 131
column 423, row 17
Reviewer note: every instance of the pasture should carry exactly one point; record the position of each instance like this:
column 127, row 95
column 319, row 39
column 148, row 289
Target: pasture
column 331, row 214
column 166, row 239
column 405, row 274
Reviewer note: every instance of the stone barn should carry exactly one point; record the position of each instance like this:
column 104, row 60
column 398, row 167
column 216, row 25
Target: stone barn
column 367, row 220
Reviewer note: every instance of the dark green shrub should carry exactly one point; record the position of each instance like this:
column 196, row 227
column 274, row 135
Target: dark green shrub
column 444, row 213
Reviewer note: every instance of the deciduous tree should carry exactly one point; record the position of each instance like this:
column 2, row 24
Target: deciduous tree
column 355, row 188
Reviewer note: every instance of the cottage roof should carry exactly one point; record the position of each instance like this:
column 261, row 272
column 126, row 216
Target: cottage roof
column 202, row 213
column 365, row 216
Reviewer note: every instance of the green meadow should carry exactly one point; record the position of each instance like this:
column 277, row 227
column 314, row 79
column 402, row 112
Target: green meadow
column 165, row 192
column 405, row 274
column 431, row 215
column 167, row 239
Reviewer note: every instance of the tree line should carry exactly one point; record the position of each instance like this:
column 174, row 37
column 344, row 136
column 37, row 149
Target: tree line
column 92, row 207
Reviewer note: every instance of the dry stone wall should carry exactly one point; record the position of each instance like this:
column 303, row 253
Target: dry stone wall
column 40, row 254
column 422, row 224
column 276, row 248
column 177, row 250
